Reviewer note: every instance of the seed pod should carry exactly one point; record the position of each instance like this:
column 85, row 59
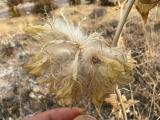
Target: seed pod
column 79, row 67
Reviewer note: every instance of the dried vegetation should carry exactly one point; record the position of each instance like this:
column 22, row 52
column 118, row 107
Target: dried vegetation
column 35, row 78
column 144, row 7
column 79, row 67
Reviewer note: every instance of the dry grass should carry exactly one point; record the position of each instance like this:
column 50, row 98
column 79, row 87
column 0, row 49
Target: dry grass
column 143, row 41
column 16, row 25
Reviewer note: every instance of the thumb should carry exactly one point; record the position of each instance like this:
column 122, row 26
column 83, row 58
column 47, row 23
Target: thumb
column 58, row 114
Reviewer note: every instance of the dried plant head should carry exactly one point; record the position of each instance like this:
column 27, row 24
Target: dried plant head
column 144, row 7
column 78, row 66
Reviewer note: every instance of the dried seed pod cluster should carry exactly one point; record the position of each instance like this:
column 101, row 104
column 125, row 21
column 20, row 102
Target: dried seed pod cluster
column 77, row 66
column 144, row 7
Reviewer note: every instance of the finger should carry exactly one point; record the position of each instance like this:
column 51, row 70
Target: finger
column 58, row 114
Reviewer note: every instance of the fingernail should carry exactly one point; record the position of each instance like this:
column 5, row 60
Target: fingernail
column 85, row 117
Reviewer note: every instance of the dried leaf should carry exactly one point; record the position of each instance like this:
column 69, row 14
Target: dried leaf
column 144, row 7
column 116, row 110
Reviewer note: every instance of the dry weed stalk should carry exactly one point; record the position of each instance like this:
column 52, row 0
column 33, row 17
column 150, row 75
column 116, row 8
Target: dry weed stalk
column 122, row 22
column 123, row 19
column 143, row 7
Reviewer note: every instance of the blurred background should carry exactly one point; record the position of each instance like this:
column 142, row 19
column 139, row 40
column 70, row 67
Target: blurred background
column 14, row 8
column 19, row 91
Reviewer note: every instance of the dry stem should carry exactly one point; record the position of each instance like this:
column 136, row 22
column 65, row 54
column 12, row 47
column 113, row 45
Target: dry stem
column 121, row 103
column 122, row 22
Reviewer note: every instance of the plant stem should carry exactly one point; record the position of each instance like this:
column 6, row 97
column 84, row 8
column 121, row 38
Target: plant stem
column 122, row 21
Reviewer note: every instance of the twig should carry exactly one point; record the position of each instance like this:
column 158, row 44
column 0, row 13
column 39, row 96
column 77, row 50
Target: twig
column 115, row 41
column 153, row 99
column 119, row 3
column 158, row 5
column 132, row 97
column 122, row 22
column 121, row 103
column 99, row 113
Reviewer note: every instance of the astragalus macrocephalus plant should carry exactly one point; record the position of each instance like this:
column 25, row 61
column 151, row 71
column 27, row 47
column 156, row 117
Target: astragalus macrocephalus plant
column 78, row 66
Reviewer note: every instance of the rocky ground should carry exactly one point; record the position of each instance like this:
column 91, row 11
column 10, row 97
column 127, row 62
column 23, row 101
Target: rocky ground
column 21, row 95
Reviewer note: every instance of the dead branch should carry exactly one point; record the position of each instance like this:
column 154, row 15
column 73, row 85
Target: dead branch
column 122, row 21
